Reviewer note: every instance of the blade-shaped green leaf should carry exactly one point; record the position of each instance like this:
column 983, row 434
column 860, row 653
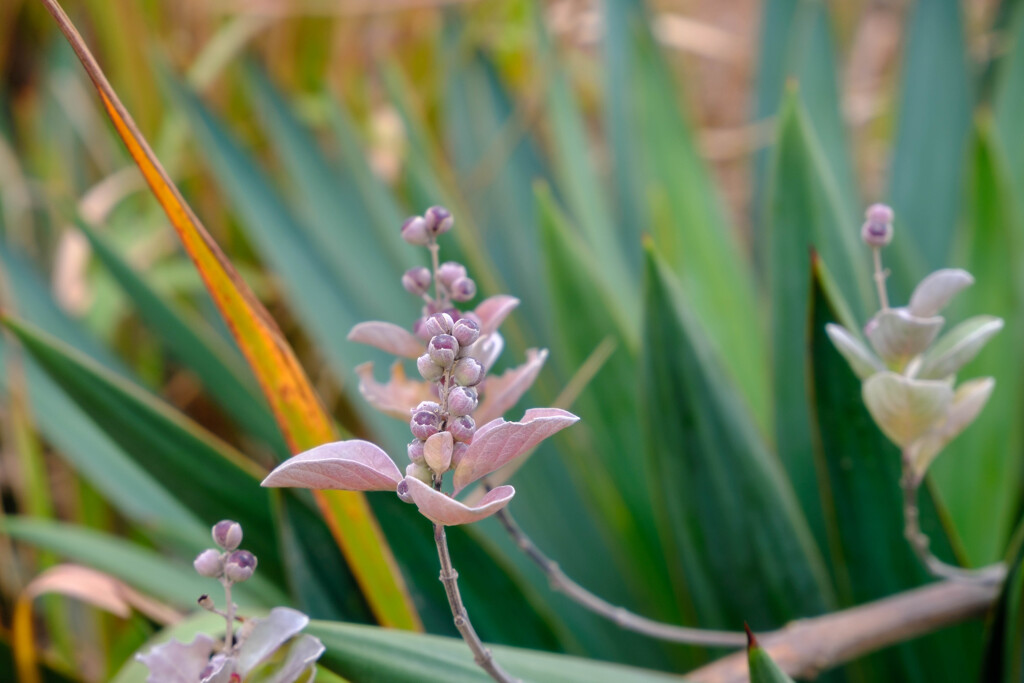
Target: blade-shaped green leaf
column 934, row 119
column 1004, row 649
column 863, row 503
column 978, row 471
column 804, row 213
column 218, row 366
column 761, row 666
column 731, row 522
column 1009, row 96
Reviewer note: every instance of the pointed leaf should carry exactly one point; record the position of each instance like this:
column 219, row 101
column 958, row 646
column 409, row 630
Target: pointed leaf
column 897, row 336
column 958, row 347
column 498, row 442
column 398, row 396
column 298, row 410
column 762, row 668
column 862, row 362
column 968, row 401
column 904, row 408
column 175, row 662
column 268, row 634
column 446, row 511
column 388, row 337
column 935, row 291
column 501, row 393
column 493, row 311
column 352, row 465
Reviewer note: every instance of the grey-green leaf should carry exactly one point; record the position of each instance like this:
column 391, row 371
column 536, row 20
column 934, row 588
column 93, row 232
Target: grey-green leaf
column 958, row 347
column 906, row 408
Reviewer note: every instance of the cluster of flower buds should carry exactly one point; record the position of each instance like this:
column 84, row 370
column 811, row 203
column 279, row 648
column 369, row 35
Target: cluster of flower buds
column 877, row 229
column 228, row 563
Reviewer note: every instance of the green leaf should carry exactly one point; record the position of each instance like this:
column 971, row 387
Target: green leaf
column 148, row 571
column 977, row 471
column 1009, row 96
column 1004, row 649
column 872, row 560
column 804, row 213
column 217, row 365
column 363, row 653
column 934, row 108
column 734, row 531
column 762, row 668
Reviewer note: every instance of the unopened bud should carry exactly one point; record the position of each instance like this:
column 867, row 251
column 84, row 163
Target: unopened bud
column 429, row 370
column 466, row 331
column 468, row 372
column 416, row 231
column 424, row 424
column 415, row 450
column 877, row 229
column 416, row 280
column 443, row 349
column 209, row 563
column 439, row 323
column 239, row 566
column 462, row 401
column 463, row 289
column 437, row 451
column 450, row 271
column 227, row 534
column 439, row 220
column 462, row 428
column 206, row 602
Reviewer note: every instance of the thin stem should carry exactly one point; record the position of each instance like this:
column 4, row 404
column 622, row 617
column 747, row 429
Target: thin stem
column 449, row 578
column 229, row 616
column 620, row 616
column 435, row 263
column 880, row 276
column 919, row 541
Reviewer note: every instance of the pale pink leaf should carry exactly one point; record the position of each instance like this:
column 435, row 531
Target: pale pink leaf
column 503, row 392
column 351, row 465
column 398, row 396
column 487, row 349
column 174, row 662
column 499, row 442
column 388, row 337
column 493, row 311
column 445, row 510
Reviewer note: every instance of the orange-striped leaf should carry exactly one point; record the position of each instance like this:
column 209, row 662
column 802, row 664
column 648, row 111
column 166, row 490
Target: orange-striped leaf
column 296, row 406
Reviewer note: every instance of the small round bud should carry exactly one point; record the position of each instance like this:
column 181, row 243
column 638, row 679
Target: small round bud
column 462, row 428
column 431, row 406
column 429, row 370
column 416, row 231
column 463, row 289
column 466, row 331
column 416, row 471
column 227, row 534
column 240, row 565
column 415, row 450
column 443, row 349
column 468, row 372
column 438, row 452
column 209, row 563
column 462, row 401
column 439, row 323
column 458, row 452
column 450, row 271
column 416, row 280
column 877, row 229
column 454, row 314
column 439, row 220
column 403, row 488
column 206, row 602
column 424, row 424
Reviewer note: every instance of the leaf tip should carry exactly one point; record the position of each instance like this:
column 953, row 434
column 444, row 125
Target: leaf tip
column 751, row 638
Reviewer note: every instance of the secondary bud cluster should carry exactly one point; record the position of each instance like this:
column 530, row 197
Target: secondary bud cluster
column 442, row 429
column 877, row 229
column 227, row 563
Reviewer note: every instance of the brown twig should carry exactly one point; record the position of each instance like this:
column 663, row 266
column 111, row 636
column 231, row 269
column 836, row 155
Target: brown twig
column 807, row 647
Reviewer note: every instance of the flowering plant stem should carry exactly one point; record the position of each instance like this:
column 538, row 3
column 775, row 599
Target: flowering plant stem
column 920, row 542
column 450, row 580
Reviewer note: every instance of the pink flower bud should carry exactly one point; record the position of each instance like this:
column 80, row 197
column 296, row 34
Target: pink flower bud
column 209, row 564
column 468, row 372
column 439, row 220
column 877, row 229
column 415, row 450
column 239, row 566
column 424, row 424
column 416, row 280
column 227, row 534
column 439, row 323
column 416, row 231
column 450, row 271
column 463, row 289
column 466, row 331
column 429, row 370
column 443, row 349
column 462, row 428
column 462, row 401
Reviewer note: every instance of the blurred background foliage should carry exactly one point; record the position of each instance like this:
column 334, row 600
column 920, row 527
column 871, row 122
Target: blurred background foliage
column 724, row 469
